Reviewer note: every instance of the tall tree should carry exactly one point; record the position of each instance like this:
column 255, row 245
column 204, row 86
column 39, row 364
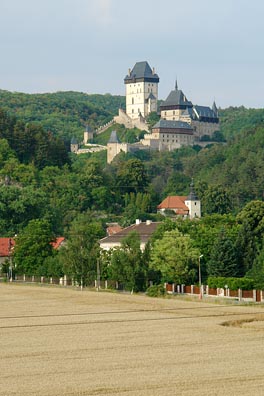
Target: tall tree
column 127, row 265
column 223, row 260
column 131, row 176
column 81, row 253
column 33, row 246
column 216, row 200
column 175, row 257
column 250, row 237
column 257, row 271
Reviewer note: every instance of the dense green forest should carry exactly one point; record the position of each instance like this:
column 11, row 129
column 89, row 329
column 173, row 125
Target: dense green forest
column 46, row 192
column 65, row 114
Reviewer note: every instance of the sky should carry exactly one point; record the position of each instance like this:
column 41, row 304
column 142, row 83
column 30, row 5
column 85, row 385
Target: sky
column 215, row 49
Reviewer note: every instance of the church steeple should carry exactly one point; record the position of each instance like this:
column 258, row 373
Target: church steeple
column 193, row 203
column 215, row 109
column 192, row 195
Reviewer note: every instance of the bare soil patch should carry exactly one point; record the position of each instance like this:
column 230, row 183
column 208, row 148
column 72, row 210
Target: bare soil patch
column 57, row 341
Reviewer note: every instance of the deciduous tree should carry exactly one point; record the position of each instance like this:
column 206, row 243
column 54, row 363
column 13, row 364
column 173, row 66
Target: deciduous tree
column 175, row 257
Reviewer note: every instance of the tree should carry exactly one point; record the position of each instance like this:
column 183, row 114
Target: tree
column 223, row 260
column 216, row 200
column 131, row 176
column 152, row 119
column 81, row 253
column 250, row 237
column 33, row 246
column 175, row 257
column 136, row 207
column 257, row 271
column 5, row 152
column 127, row 265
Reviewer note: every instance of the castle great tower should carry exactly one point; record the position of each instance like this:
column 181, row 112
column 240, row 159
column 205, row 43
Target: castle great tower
column 141, row 90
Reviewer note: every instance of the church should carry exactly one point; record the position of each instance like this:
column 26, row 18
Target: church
column 181, row 123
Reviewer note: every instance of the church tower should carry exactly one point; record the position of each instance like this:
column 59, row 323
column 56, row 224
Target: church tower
column 141, row 90
column 193, row 203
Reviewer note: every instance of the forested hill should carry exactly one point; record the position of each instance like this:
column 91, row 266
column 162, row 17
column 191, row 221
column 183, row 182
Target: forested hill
column 65, row 114
column 236, row 119
column 233, row 172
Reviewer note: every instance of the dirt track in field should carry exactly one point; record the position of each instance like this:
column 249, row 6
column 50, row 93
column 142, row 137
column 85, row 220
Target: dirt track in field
column 57, row 341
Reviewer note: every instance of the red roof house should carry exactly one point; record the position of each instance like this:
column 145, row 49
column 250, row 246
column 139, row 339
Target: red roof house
column 59, row 241
column 175, row 203
column 6, row 245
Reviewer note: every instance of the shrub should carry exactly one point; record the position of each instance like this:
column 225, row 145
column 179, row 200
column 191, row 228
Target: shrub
column 231, row 283
column 156, row 291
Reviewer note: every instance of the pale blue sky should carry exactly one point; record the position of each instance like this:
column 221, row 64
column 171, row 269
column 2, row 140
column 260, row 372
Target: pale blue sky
column 215, row 48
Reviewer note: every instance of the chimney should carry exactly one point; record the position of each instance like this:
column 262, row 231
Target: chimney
column 153, row 71
column 129, row 72
column 138, row 221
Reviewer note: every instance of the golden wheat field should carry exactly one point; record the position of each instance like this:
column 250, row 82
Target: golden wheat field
column 57, row 341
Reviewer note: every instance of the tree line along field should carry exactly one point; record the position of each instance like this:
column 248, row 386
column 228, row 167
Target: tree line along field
column 57, row 341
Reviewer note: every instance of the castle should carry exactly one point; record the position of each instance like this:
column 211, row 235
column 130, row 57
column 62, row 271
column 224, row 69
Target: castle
column 181, row 123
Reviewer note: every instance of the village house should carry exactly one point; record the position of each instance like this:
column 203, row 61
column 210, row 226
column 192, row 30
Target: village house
column 6, row 246
column 144, row 229
column 183, row 206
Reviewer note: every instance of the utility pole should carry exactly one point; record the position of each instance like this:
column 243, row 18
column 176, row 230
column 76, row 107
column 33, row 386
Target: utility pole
column 200, row 277
column 98, row 275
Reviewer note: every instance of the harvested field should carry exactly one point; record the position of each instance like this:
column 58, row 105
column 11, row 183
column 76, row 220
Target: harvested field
column 57, row 341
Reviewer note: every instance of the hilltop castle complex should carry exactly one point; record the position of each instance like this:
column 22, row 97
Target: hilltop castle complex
column 181, row 123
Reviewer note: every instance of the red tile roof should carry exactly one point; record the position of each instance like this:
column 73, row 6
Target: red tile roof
column 111, row 230
column 6, row 245
column 176, row 203
column 57, row 243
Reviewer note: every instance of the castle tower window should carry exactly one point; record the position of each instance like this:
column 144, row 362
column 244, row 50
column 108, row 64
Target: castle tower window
column 132, row 100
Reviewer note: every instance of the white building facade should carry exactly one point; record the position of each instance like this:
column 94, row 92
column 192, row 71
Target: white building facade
column 141, row 90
